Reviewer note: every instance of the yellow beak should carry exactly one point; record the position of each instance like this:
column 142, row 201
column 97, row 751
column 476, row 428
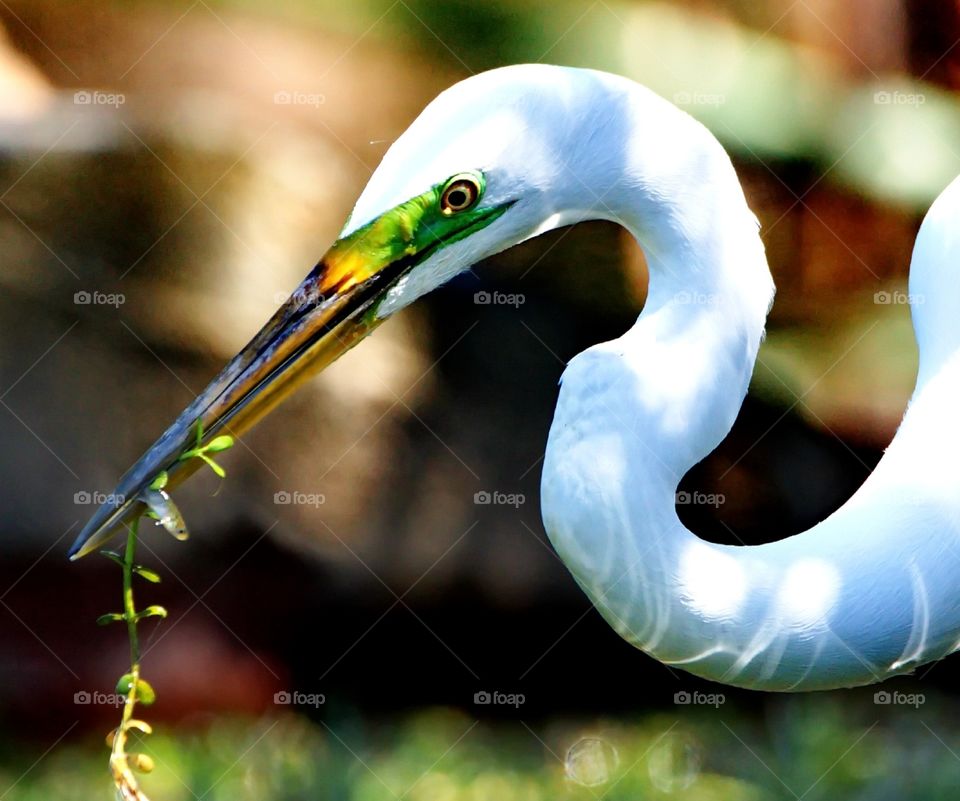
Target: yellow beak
column 332, row 309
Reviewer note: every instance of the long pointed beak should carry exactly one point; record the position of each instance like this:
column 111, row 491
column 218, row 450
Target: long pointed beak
column 332, row 309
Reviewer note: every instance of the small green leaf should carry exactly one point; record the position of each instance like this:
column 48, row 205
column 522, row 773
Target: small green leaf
column 124, row 683
column 145, row 693
column 220, row 443
column 110, row 617
column 146, row 573
column 152, row 611
column 140, row 725
column 113, row 556
column 213, row 465
column 160, row 481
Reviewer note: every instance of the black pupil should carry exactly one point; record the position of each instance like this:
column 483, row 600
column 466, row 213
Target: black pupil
column 458, row 198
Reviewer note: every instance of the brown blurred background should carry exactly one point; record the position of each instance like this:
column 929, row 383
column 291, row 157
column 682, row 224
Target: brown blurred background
column 168, row 173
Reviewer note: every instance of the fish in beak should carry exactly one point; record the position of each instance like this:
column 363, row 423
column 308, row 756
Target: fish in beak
column 334, row 307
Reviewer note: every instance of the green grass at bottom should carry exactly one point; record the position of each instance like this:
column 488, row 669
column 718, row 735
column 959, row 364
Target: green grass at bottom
column 811, row 747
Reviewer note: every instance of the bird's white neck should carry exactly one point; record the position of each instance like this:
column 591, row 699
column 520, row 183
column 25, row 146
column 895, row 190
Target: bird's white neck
column 636, row 413
column 692, row 350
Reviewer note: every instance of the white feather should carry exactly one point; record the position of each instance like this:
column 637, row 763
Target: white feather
column 872, row 590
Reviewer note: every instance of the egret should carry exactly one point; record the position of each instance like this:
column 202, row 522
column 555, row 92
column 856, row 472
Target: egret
column 870, row 592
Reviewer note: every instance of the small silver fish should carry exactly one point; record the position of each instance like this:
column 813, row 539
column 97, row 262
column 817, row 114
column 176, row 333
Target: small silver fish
column 165, row 511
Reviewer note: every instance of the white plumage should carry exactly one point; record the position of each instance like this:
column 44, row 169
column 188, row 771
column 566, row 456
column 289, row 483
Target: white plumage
column 871, row 591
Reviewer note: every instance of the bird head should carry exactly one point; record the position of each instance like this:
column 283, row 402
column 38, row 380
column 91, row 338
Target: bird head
column 465, row 181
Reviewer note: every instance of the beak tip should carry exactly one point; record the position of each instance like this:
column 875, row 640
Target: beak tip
column 93, row 535
column 79, row 549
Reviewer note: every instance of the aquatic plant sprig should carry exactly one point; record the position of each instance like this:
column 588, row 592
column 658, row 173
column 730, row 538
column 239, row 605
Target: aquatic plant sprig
column 131, row 685
column 201, row 451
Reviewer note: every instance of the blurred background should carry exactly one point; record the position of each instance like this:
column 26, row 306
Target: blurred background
column 170, row 171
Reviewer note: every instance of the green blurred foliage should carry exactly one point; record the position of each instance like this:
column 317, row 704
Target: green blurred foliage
column 812, row 748
column 765, row 97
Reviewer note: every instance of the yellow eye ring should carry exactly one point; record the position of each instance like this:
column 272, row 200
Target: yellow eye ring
column 460, row 194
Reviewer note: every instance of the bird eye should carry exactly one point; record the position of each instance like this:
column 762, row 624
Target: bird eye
column 461, row 193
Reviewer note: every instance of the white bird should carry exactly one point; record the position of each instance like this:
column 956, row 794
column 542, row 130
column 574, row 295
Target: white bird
column 503, row 156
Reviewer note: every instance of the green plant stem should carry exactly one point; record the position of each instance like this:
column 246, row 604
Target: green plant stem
column 129, row 610
column 119, row 762
column 136, row 689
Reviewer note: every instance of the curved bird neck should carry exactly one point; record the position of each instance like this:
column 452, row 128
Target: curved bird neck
column 863, row 595
column 691, row 353
column 635, row 413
